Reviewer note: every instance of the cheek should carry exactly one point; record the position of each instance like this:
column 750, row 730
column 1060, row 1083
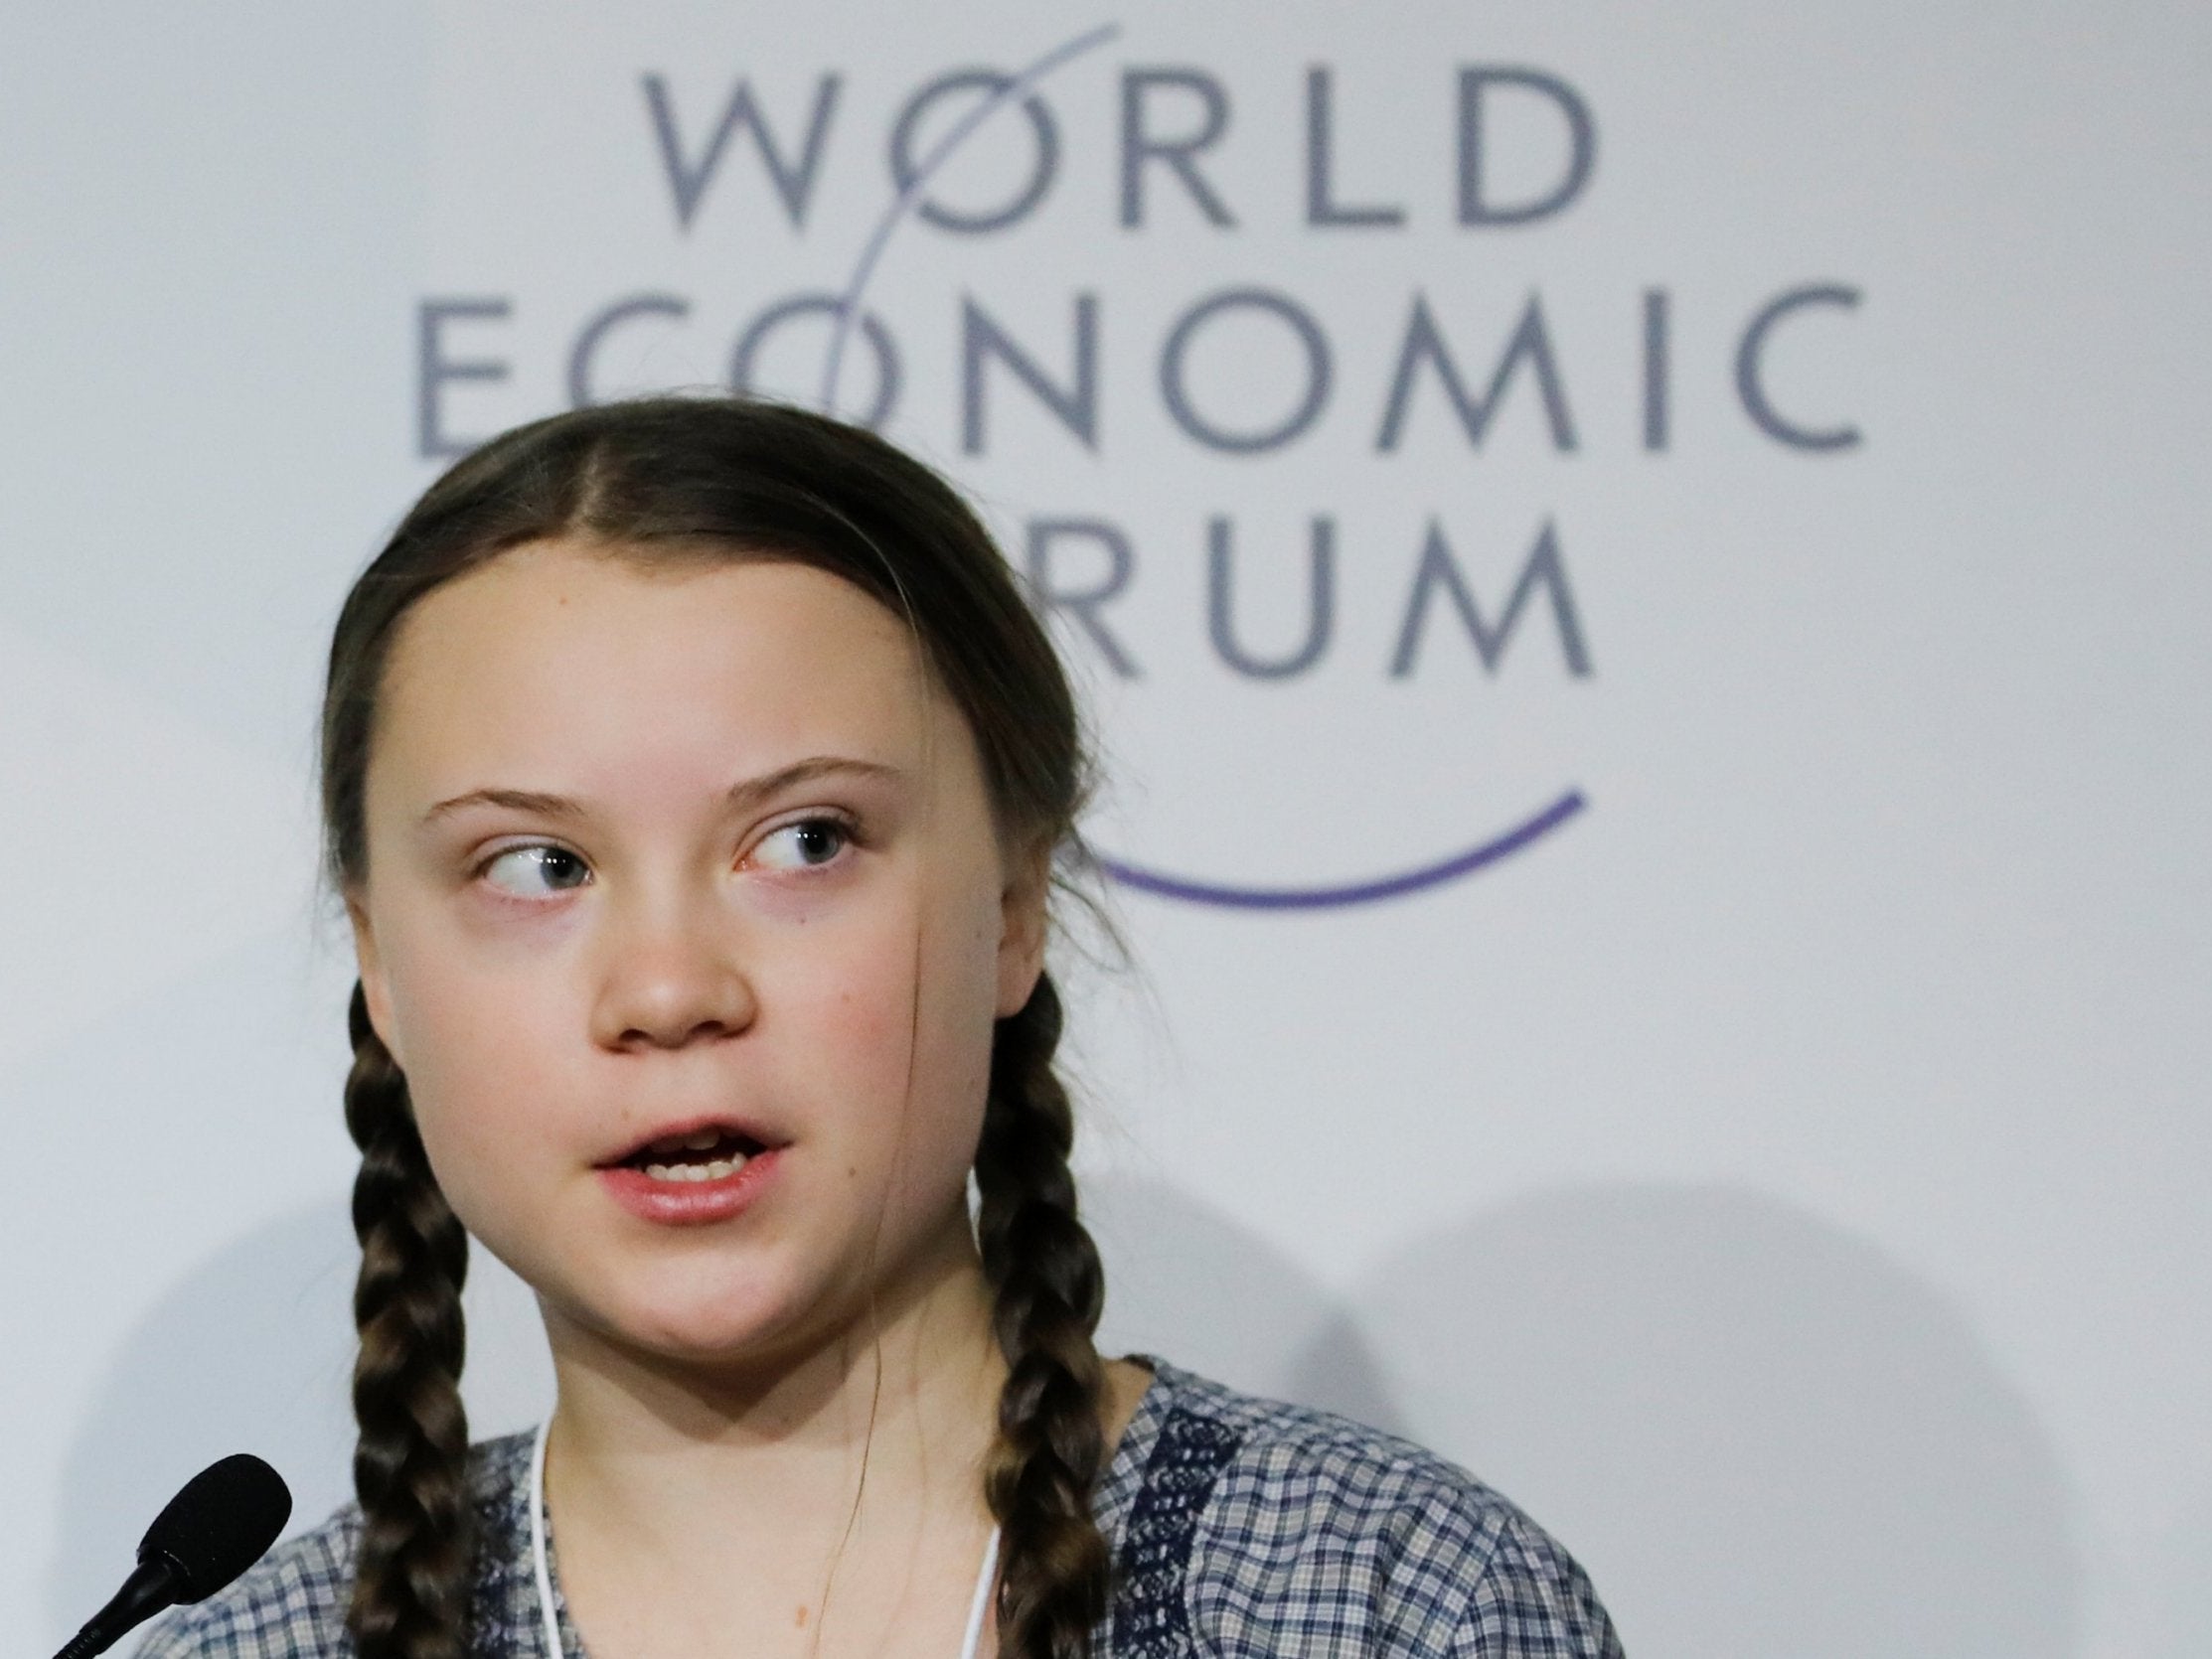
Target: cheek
column 483, row 1046
column 920, row 1062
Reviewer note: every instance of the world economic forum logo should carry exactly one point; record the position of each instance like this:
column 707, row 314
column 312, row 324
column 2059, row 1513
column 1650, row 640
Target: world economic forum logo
column 1164, row 140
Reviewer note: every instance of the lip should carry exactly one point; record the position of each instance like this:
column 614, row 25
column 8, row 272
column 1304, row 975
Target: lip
column 690, row 1203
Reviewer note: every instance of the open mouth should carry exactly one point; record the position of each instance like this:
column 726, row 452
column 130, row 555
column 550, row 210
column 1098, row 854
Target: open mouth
column 705, row 1154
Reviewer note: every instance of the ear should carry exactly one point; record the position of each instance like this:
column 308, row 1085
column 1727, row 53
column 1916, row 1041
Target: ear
column 374, row 988
column 1021, row 928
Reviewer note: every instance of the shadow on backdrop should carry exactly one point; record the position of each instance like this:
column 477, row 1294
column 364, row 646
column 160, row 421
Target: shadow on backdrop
column 253, row 1351
column 248, row 1352
column 1189, row 1284
column 2180, row 1587
column 1759, row 1434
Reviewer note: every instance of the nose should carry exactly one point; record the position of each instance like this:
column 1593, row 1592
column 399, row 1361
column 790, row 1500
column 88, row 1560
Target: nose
column 670, row 980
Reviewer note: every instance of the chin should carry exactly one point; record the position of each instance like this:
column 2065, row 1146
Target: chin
column 722, row 1326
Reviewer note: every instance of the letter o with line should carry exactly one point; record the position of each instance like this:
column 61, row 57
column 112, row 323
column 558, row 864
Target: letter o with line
column 907, row 173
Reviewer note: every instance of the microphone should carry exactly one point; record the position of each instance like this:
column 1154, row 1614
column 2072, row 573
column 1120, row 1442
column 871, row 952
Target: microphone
column 220, row 1524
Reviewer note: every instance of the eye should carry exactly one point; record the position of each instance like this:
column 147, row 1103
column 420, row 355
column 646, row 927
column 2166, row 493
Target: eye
column 526, row 866
column 803, row 845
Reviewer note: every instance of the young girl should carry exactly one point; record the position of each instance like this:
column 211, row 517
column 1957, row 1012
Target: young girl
column 695, row 779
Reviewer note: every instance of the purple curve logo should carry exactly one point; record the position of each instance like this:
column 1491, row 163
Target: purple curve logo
column 1353, row 892
column 1159, row 883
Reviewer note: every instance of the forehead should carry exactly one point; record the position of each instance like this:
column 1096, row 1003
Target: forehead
column 557, row 656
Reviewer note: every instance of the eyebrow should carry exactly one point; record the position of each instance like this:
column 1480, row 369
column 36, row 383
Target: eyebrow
column 745, row 793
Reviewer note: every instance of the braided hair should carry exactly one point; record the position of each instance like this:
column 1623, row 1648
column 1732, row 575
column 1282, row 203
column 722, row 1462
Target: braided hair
column 699, row 480
column 1047, row 1287
column 410, row 1462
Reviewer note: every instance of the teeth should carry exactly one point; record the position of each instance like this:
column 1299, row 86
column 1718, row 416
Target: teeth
column 700, row 1141
column 712, row 1171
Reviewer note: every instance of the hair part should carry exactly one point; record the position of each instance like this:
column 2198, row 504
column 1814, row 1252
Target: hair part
column 688, row 480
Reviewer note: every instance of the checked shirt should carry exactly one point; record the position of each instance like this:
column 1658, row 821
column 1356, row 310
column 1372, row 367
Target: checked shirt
column 1242, row 1529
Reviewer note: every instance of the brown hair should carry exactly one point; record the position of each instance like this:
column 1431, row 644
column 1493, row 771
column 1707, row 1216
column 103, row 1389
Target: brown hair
column 691, row 478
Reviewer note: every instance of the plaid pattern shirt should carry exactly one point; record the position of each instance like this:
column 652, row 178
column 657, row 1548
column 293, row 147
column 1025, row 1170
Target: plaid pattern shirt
column 1242, row 1529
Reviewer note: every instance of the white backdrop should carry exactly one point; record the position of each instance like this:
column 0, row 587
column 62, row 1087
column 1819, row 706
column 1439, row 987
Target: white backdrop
column 1776, row 1158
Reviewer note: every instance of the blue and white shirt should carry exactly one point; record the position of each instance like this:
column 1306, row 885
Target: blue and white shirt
column 1240, row 1528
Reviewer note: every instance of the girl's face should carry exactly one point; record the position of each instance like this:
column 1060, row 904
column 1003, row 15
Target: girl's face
column 687, row 920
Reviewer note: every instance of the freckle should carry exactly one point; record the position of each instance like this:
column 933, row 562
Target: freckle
column 801, row 1620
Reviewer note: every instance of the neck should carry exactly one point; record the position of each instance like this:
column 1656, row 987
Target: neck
column 890, row 1413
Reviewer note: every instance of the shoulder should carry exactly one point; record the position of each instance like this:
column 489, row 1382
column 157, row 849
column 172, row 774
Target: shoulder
column 1305, row 1532
column 291, row 1604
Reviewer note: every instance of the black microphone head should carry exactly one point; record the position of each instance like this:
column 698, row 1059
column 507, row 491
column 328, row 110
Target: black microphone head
column 221, row 1523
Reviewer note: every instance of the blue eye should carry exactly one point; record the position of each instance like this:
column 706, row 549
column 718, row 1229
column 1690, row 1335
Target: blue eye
column 802, row 846
column 559, row 868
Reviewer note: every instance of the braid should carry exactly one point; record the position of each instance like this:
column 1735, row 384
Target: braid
column 412, row 1572
column 1044, row 1273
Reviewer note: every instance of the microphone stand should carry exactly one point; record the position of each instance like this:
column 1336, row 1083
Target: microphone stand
column 151, row 1587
